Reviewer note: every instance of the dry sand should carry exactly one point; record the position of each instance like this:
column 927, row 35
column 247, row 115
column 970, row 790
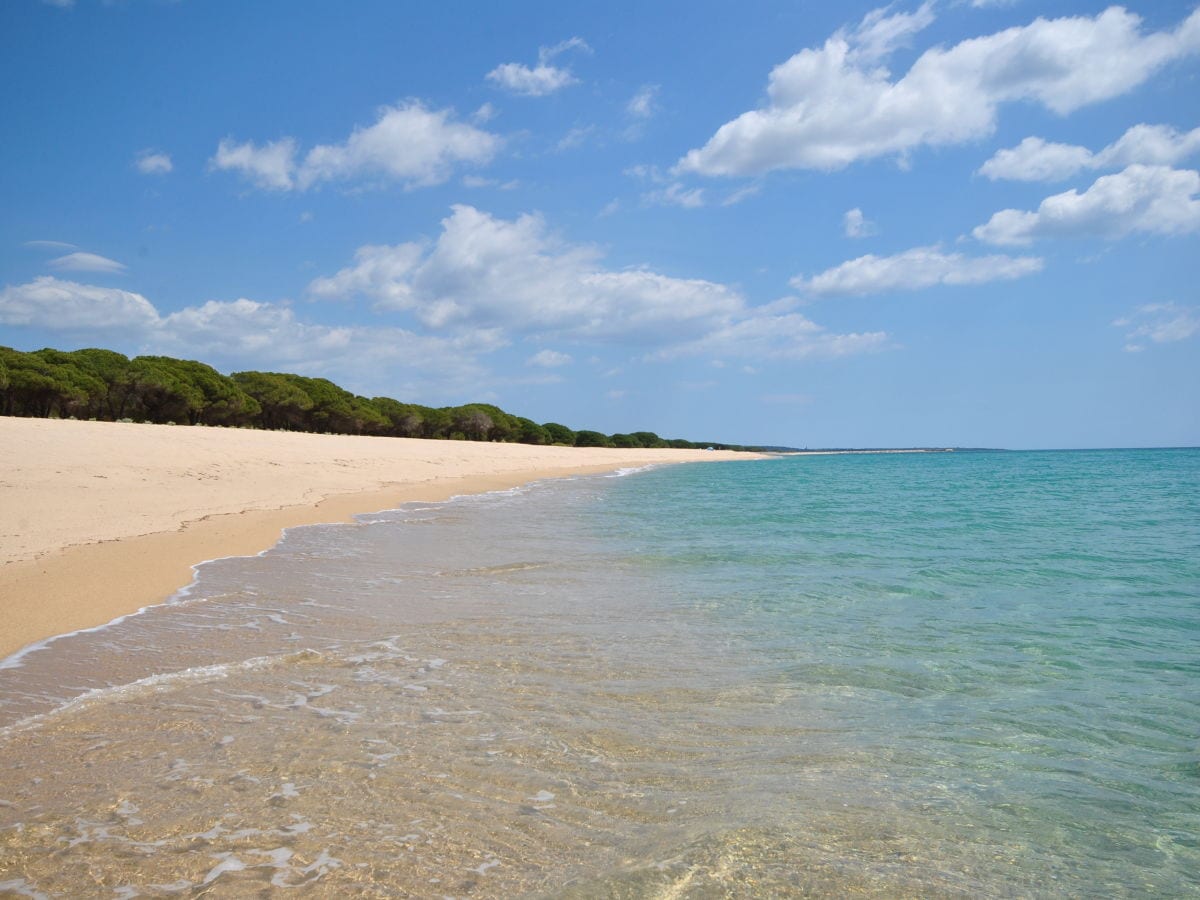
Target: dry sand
column 98, row 519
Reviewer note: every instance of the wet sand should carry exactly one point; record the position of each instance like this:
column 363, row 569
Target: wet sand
column 99, row 519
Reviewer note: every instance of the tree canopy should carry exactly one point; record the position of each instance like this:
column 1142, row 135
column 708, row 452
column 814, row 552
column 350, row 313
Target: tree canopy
column 105, row 385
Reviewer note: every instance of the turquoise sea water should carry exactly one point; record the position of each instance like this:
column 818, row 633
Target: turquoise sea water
column 965, row 674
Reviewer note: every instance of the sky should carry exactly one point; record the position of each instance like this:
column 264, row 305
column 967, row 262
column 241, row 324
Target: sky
column 941, row 223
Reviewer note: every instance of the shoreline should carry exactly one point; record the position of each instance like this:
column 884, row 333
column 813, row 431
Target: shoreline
column 99, row 520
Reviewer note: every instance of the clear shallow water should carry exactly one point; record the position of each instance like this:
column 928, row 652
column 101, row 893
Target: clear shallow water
column 934, row 675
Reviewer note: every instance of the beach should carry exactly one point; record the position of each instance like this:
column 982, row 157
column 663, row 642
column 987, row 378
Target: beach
column 895, row 675
column 100, row 519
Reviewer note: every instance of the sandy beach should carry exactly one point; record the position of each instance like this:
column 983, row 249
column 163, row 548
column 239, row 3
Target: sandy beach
column 99, row 519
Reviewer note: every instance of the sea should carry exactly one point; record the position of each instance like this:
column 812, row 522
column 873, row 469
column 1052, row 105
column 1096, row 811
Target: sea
column 964, row 674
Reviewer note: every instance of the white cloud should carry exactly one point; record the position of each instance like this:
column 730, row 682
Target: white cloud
column 87, row 262
column 485, row 272
column 643, row 104
column 787, row 336
column 513, row 275
column 1150, row 199
column 270, row 166
column 408, row 144
column 676, row 194
column 921, row 267
column 548, row 359
column 743, row 193
column 532, row 82
column 248, row 334
column 831, row 106
column 879, row 34
column 672, row 192
column 149, row 162
column 1037, row 160
column 1159, row 323
column 539, row 80
column 856, row 225
column 50, row 303
column 575, row 137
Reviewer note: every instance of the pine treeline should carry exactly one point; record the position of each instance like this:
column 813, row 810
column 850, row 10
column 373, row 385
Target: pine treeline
column 107, row 386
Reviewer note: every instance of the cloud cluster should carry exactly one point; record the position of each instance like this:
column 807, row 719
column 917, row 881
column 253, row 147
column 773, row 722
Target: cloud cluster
column 408, row 144
column 483, row 272
column 541, row 79
column 514, row 276
column 245, row 334
column 1035, row 159
column 915, row 269
column 832, row 106
column 1159, row 323
column 48, row 302
column 1146, row 199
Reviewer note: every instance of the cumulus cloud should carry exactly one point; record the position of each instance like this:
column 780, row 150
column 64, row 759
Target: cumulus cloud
column 247, row 334
column 150, row 162
column 483, row 271
column 51, row 303
column 921, row 267
column 515, row 276
column 831, row 106
column 1159, row 323
column 1148, row 199
column 407, row 143
column 87, row 262
column 856, row 225
column 270, row 166
column 1035, row 159
column 542, row 79
column 548, row 359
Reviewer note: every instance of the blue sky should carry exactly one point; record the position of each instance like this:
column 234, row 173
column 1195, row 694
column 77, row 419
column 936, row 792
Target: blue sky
column 941, row 223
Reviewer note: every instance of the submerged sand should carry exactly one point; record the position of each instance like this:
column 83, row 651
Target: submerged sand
column 98, row 519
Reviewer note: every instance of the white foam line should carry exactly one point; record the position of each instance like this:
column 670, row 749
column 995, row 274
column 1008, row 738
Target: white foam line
column 194, row 675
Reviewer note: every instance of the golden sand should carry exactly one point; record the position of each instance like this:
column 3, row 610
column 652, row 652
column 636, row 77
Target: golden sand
column 98, row 519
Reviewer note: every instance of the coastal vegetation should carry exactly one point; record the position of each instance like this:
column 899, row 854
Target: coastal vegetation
column 108, row 386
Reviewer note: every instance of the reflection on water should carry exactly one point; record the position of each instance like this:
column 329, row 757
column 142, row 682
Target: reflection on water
column 510, row 695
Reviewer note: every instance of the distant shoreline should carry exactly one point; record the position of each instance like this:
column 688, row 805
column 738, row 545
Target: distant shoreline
column 100, row 519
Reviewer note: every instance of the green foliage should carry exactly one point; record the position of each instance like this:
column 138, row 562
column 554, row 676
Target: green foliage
column 117, row 376
column 591, row 439
column 282, row 403
column 404, row 419
column 102, row 384
column 532, row 433
column 649, row 439
column 560, row 434
column 42, row 384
